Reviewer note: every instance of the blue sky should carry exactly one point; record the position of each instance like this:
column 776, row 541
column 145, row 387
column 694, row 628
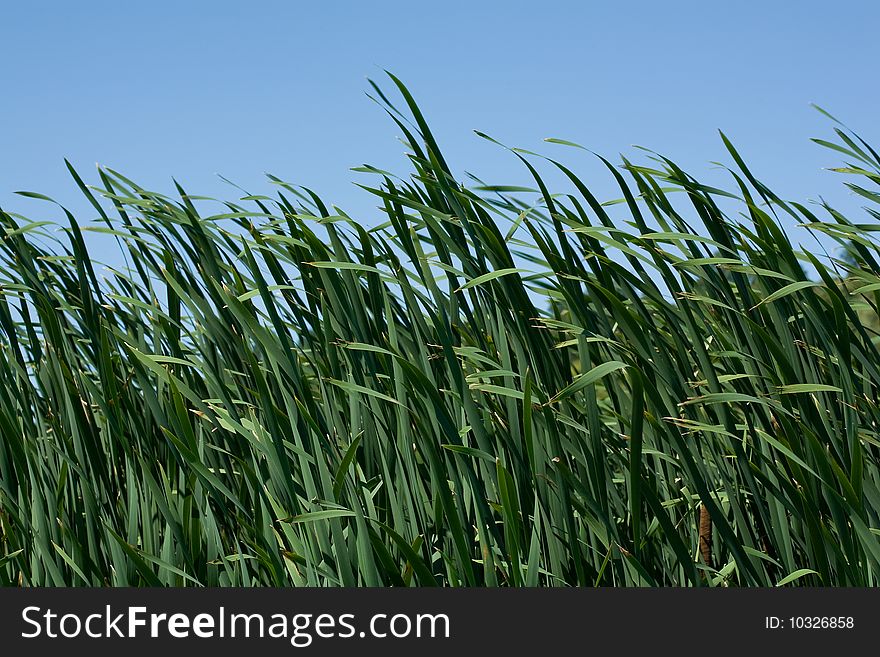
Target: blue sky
column 193, row 89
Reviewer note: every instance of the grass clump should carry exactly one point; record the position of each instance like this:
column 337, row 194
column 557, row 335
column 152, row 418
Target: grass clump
column 494, row 387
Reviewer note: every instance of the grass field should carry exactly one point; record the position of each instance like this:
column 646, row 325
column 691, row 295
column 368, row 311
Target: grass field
column 496, row 386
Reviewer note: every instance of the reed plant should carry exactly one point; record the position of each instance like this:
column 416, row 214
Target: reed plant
column 497, row 386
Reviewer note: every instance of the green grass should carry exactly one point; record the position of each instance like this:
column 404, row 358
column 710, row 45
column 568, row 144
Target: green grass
column 494, row 387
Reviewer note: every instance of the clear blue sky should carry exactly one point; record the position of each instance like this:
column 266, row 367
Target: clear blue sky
column 191, row 89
